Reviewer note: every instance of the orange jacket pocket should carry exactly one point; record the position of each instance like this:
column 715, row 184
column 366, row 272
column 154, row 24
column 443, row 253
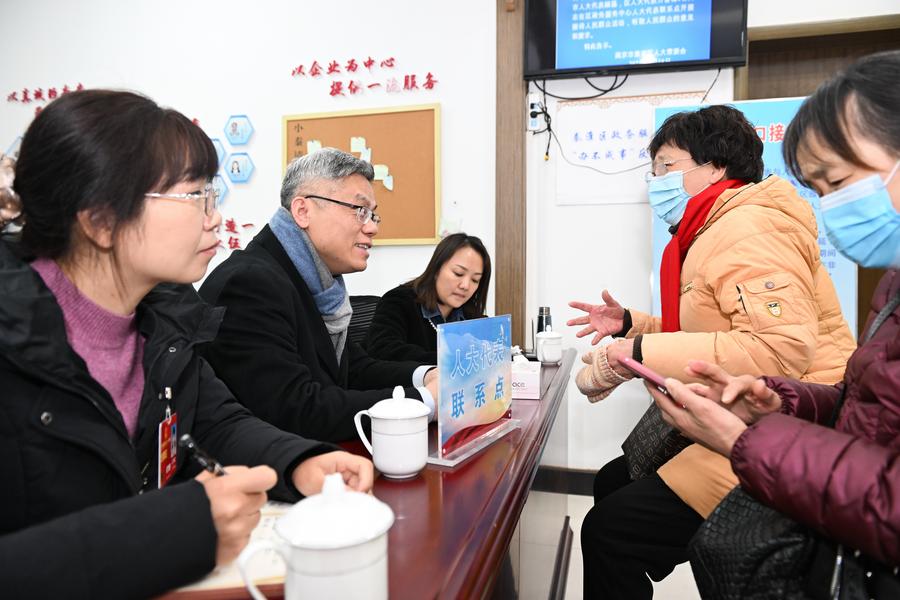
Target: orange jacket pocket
column 769, row 301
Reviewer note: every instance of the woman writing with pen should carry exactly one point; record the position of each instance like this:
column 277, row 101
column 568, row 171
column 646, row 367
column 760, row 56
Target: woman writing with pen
column 100, row 378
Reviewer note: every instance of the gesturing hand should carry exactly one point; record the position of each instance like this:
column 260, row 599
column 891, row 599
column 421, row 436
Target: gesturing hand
column 602, row 319
column 235, row 501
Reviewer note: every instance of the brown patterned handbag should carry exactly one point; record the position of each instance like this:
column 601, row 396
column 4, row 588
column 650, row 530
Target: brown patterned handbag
column 651, row 444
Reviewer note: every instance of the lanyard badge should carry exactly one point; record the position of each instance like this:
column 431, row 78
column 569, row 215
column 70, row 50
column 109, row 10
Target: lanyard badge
column 168, row 447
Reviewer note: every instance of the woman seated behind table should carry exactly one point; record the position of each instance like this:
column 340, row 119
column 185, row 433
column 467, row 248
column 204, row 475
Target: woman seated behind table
column 844, row 482
column 453, row 287
column 97, row 363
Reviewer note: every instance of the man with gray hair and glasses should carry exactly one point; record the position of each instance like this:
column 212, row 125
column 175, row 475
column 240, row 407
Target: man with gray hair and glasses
column 282, row 347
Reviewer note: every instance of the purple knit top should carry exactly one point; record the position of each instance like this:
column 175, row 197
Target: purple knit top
column 109, row 343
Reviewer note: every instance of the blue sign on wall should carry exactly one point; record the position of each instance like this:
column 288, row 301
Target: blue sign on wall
column 238, row 130
column 220, row 149
column 13, row 149
column 220, row 186
column 239, row 167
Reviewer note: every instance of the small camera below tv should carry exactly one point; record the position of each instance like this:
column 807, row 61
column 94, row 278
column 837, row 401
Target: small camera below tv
column 573, row 38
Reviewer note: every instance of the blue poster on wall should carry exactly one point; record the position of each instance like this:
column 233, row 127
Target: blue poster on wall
column 770, row 118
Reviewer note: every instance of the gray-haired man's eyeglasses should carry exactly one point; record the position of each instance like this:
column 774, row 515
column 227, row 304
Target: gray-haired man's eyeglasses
column 363, row 213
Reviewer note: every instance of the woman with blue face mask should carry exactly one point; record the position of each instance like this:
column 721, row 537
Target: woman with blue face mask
column 862, row 223
column 741, row 283
column 842, row 481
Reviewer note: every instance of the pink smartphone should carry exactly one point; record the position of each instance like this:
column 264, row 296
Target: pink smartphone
column 645, row 373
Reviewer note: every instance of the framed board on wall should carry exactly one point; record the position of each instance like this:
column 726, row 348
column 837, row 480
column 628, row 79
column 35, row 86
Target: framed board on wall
column 604, row 142
column 403, row 145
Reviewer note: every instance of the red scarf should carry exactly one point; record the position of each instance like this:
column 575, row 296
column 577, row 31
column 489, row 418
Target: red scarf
column 694, row 217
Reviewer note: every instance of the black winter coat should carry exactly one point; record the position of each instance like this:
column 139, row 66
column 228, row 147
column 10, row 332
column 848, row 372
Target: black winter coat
column 399, row 331
column 275, row 354
column 80, row 515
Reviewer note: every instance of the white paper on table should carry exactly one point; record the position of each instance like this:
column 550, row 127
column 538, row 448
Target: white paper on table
column 264, row 567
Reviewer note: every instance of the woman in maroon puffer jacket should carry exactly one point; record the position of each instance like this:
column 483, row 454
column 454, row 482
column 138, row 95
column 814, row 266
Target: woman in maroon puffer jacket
column 843, row 481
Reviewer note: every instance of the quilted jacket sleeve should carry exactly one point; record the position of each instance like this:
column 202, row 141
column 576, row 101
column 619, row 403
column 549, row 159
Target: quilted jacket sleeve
column 808, row 401
column 841, row 484
column 643, row 323
column 758, row 271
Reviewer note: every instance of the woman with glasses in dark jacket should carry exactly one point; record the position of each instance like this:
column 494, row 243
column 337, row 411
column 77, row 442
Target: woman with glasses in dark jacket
column 99, row 371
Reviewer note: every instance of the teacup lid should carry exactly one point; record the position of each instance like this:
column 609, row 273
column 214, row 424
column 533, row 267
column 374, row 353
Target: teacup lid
column 336, row 518
column 399, row 407
column 548, row 333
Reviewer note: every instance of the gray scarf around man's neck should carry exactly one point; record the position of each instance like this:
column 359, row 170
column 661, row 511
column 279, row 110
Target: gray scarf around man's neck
column 328, row 291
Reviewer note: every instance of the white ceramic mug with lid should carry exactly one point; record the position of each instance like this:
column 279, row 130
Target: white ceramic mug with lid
column 399, row 446
column 548, row 346
column 334, row 545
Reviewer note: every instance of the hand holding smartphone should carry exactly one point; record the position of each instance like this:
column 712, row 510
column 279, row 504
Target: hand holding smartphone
column 645, row 373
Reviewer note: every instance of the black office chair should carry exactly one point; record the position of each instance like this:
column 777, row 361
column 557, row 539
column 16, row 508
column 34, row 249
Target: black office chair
column 363, row 311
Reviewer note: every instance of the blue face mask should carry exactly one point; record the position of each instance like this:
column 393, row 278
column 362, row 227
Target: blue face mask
column 668, row 198
column 862, row 223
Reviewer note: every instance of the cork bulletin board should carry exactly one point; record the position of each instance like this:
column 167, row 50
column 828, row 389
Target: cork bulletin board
column 403, row 145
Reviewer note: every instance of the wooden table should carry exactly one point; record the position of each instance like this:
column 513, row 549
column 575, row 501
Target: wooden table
column 452, row 528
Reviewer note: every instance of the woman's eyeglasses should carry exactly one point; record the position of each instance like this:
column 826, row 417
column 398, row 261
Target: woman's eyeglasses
column 209, row 196
column 662, row 167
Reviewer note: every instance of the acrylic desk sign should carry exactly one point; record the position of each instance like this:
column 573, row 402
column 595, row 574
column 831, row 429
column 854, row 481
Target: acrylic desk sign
column 475, row 392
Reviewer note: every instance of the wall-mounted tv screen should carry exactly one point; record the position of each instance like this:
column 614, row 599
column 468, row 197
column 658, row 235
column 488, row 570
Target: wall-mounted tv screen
column 571, row 38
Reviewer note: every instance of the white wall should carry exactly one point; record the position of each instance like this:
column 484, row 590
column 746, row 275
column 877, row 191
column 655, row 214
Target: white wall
column 764, row 13
column 213, row 58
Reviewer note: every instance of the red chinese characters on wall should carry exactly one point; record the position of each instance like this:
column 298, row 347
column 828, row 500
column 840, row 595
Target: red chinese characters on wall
column 230, row 238
column 38, row 95
column 410, row 82
column 776, row 132
column 773, row 133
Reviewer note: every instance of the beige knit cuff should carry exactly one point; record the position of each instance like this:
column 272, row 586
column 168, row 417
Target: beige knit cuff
column 602, row 372
column 598, row 379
